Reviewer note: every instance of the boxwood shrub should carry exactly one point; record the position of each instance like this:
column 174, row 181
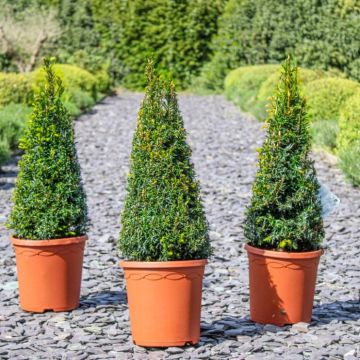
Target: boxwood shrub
column 349, row 139
column 327, row 96
column 285, row 212
column 349, row 121
column 49, row 199
column 242, row 85
column 83, row 89
column 163, row 217
column 12, row 121
column 15, row 88
column 73, row 77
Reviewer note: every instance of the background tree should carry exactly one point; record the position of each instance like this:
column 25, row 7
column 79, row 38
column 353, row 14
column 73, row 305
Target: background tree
column 176, row 34
column 24, row 34
column 321, row 34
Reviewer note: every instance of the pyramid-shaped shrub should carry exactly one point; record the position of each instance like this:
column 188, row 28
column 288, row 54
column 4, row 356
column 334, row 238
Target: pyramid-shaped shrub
column 285, row 212
column 163, row 218
column 49, row 199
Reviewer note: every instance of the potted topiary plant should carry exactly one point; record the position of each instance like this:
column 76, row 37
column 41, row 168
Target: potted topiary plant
column 164, row 234
column 49, row 216
column 283, row 225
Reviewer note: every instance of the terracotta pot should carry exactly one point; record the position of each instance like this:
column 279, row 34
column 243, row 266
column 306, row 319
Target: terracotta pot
column 49, row 273
column 282, row 285
column 164, row 301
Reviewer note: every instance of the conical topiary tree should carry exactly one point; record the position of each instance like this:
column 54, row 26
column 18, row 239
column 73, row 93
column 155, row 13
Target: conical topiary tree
column 163, row 218
column 49, row 199
column 285, row 212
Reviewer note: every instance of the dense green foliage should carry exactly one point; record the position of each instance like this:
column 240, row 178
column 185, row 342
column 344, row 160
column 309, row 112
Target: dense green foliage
column 242, row 85
column 83, row 90
column 116, row 36
column 12, row 120
column 324, row 134
column 175, row 33
column 326, row 97
column 80, row 42
column 269, row 85
column 72, row 77
column 320, row 33
column 91, row 32
column 5, row 151
column 182, row 36
column 285, row 212
column 350, row 164
column 250, row 87
column 49, row 199
column 349, row 139
column 163, row 218
column 15, row 88
column 349, row 122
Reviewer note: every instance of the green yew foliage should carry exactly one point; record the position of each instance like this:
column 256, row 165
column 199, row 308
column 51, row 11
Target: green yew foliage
column 163, row 218
column 285, row 212
column 176, row 34
column 322, row 34
column 49, row 199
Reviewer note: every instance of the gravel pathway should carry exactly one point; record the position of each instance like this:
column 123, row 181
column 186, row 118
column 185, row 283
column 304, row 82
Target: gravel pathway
column 223, row 142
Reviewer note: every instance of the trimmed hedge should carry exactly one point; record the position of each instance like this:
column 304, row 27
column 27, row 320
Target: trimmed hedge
column 349, row 139
column 324, row 134
column 349, row 122
column 242, row 85
column 15, row 88
column 350, row 164
column 103, row 82
column 82, row 91
column 268, row 86
column 12, row 120
column 73, row 77
column 327, row 96
column 250, row 87
column 320, row 34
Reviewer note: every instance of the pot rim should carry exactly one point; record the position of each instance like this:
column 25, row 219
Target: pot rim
column 162, row 264
column 283, row 254
column 50, row 242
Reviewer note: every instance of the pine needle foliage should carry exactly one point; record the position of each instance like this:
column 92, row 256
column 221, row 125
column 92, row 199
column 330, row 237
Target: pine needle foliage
column 49, row 199
column 163, row 218
column 285, row 212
